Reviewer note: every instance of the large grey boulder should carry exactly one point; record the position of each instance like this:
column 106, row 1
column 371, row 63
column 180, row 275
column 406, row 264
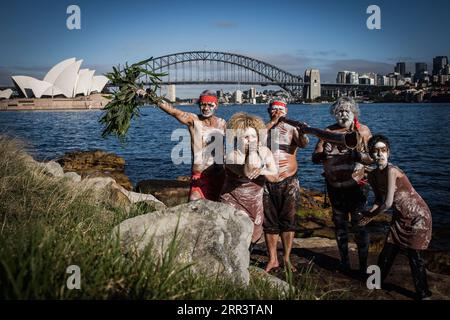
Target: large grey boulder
column 214, row 236
column 51, row 168
column 73, row 176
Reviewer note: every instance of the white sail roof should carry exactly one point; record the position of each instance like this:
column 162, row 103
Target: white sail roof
column 57, row 69
column 99, row 82
column 65, row 78
column 84, row 82
column 5, row 94
column 38, row 87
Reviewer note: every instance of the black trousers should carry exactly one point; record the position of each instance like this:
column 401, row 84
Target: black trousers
column 416, row 262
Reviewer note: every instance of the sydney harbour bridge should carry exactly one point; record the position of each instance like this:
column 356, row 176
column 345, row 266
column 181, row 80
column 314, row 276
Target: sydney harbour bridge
column 223, row 68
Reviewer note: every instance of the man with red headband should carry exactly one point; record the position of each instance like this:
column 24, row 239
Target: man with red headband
column 205, row 129
column 282, row 191
column 344, row 175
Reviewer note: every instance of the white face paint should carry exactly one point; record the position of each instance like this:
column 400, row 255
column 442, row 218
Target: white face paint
column 380, row 153
column 248, row 137
column 344, row 115
column 208, row 109
column 275, row 109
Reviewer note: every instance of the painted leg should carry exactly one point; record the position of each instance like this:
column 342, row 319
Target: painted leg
column 386, row 259
column 271, row 243
column 341, row 231
column 362, row 241
column 419, row 273
column 287, row 238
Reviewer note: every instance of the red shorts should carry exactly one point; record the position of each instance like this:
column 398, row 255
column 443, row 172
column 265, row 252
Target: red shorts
column 207, row 186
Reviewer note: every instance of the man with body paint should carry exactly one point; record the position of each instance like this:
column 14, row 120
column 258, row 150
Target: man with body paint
column 282, row 190
column 344, row 175
column 246, row 167
column 207, row 132
column 410, row 229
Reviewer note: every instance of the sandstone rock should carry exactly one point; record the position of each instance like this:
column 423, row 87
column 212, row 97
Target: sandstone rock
column 170, row 192
column 317, row 242
column 119, row 196
column 275, row 282
column 51, row 168
column 212, row 235
column 99, row 183
column 73, row 176
column 96, row 163
column 438, row 261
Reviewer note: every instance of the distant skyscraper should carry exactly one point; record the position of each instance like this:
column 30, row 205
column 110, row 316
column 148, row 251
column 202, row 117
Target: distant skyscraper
column 312, row 76
column 439, row 65
column 342, row 76
column 400, row 68
column 421, row 67
column 352, row 78
column 237, row 96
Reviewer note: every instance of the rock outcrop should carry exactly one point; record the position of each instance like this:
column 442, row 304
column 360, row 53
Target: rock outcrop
column 170, row 192
column 96, row 163
column 215, row 237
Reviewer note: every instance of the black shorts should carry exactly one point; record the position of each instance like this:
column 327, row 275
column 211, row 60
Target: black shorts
column 281, row 203
column 345, row 202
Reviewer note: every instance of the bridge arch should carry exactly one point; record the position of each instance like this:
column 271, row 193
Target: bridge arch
column 272, row 74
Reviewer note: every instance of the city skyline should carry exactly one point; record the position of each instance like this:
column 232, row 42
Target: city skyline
column 294, row 36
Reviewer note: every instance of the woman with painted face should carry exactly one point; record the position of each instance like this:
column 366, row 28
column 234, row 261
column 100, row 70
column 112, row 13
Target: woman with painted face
column 410, row 229
column 247, row 164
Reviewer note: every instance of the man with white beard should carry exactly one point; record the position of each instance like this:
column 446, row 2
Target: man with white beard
column 344, row 175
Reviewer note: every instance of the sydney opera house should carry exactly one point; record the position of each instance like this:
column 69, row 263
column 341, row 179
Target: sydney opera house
column 64, row 79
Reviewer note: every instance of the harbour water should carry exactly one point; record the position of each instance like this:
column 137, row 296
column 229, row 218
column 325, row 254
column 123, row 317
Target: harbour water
column 419, row 133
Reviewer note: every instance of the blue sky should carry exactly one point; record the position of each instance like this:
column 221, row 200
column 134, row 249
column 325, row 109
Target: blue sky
column 294, row 35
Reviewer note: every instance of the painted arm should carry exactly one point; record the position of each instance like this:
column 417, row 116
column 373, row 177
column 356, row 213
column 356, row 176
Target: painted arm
column 300, row 138
column 318, row 155
column 271, row 168
column 183, row 117
column 379, row 206
column 364, row 156
column 252, row 167
column 274, row 118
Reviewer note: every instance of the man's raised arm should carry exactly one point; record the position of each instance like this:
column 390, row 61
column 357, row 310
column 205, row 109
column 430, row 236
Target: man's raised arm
column 183, row 117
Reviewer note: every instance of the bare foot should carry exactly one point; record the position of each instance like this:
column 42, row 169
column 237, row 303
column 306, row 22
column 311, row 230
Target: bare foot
column 271, row 265
column 288, row 264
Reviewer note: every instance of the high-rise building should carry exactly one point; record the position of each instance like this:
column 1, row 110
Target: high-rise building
column 237, row 96
column 312, row 90
column 352, row 78
column 252, row 95
column 421, row 67
column 421, row 71
column 400, row 68
column 439, row 65
column 342, row 77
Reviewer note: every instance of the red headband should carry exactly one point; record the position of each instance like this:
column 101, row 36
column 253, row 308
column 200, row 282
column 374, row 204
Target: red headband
column 278, row 103
column 208, row 99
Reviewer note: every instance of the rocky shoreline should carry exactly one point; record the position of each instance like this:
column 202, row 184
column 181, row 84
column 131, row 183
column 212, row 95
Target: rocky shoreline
column 314, row 246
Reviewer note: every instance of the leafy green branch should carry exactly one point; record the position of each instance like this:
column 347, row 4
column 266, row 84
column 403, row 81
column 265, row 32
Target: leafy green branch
column 126, row 103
